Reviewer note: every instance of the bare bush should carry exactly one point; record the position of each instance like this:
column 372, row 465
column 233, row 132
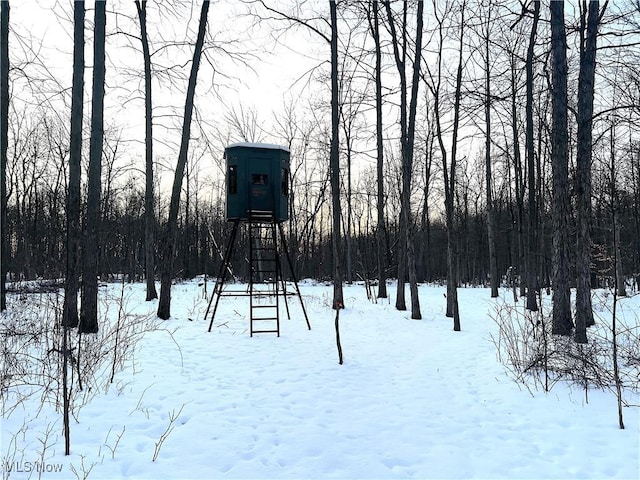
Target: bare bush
column 31, row 350
column 34, row 354
column 627, row 337
column 533, row 357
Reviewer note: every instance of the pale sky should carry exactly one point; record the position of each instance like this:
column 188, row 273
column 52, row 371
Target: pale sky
column 45, row 28
column 262, row 85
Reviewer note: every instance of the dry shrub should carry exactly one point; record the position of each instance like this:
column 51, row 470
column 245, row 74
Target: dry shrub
column 535, row 358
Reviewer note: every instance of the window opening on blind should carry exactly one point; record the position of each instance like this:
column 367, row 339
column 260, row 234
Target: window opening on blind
column 259, row 179
column 284, row 186
column 233, row 179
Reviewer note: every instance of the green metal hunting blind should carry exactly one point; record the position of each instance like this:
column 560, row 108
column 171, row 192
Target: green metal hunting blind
column 257, row 182
column 257, row 190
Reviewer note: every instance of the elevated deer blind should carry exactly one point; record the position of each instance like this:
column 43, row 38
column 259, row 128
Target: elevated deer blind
column 257, row 181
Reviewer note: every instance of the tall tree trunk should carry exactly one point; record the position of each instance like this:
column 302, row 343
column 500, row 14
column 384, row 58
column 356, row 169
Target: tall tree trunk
column 635, row 170
column 169, row 235
column 620, row 283
column 348, row 232
column 380, row 231
column 586, row 79
column 406, row 244
column 400, row 56
column 450, row 177
column 149, row 214
column 411, row 129
column 561, row 319
column 616, row 209
column 89, row 307
column 426, row 221
column 186, row 229
column 449, row 167
column 491, row 217
column 532, row 250
column 334, row 164
column 518, row 181
column 4, row 143
column 75, row 159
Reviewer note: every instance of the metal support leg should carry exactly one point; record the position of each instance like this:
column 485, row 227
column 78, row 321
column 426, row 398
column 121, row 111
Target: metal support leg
column 293, row 275
column 222, row 273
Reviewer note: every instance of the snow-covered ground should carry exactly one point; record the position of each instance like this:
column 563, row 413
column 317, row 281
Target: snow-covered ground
column 413, row 399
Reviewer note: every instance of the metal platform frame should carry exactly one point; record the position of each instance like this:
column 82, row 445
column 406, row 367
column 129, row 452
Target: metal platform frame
column 265, row 237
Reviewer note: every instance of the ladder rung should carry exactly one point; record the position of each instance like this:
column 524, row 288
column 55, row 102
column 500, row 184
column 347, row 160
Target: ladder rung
column 264, row 264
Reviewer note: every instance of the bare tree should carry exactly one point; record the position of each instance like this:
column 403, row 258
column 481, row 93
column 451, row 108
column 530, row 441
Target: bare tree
column 315, row 26
column 149, row 215
column 491, row 214
column 450, row 182
column 589, row 23
column 89, row 306
column 449, row 165
column 169, row 235
column 561, row 321
column 70, row 318
column 245, row 124
column 334, row 163
column 350, row 106
column 4, row 142
column 519, row 181
column 406, row 245
column 616, row 210
column 532, row 251
column 380, row 229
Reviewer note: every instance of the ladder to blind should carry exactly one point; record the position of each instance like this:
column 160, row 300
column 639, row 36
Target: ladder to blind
column 266, row 282
column 264, row 275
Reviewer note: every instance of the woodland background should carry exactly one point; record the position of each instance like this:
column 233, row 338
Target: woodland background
column 472, row 144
